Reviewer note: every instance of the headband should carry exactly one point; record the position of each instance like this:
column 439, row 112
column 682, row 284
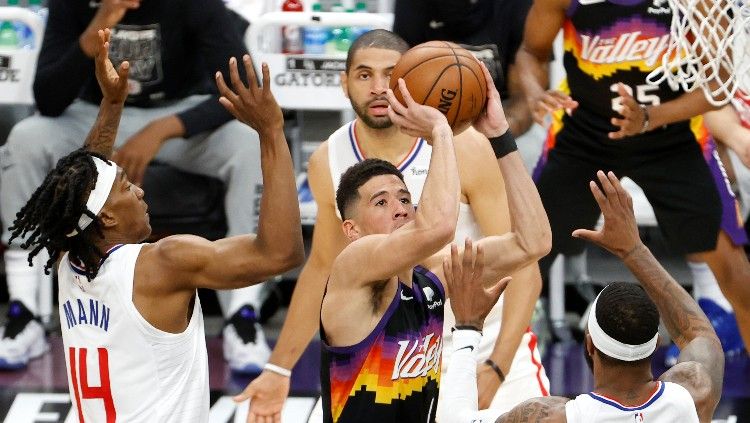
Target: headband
column 105, row 179
column 613, row 347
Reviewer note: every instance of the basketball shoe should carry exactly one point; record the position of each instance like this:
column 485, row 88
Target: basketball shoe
column 245, row 347
column 21, row 339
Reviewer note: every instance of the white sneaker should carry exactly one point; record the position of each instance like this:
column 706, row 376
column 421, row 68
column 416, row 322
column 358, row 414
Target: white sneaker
column 245, row 347
column 22, row 339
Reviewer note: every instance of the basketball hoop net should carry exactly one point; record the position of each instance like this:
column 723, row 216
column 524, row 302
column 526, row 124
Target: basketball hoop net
column 708, row 49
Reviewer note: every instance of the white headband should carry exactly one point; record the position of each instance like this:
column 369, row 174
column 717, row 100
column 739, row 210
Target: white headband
column 105, row 179
column 613, row 347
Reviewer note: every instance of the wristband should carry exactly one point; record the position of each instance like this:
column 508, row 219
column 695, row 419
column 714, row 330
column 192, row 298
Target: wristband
column 646, row 120
column 278, row 370
column 496, row 368
column 504, row 144
column 466, row 327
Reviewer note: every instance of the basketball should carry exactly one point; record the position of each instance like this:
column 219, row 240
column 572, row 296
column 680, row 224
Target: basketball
column 445, row 76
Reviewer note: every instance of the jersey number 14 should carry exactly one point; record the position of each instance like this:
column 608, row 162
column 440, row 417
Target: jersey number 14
column 82, row 390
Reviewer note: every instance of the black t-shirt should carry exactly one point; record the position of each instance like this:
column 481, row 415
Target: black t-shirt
column 174, row 48
column 479, row 22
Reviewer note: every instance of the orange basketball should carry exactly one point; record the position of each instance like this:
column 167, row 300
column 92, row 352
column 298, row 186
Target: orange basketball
column 445, row 76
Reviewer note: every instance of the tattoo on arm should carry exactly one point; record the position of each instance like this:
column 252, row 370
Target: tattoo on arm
column 686, row 323
column 101, row 138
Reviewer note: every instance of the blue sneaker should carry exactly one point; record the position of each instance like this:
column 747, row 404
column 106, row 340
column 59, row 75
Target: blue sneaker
column 725, row 325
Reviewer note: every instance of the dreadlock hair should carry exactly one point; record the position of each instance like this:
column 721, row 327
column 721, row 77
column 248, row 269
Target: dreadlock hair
column 54, row 210
column 358, row 175
column 626, row 313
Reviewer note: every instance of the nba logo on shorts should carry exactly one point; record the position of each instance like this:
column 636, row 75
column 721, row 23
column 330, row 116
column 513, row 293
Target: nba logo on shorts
column 428, row 293
column 638, row 417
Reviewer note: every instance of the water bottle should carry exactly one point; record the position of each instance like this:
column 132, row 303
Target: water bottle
column 291, row 35
column 8, row 36
column 315, row 37
column 340, row 41
column 24, row 35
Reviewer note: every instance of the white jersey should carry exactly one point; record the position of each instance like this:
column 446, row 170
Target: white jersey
column 121, row 368
column 527, row 378
column 670, row 402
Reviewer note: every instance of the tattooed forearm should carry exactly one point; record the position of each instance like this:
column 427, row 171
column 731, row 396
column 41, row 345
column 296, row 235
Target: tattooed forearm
column 537, row 410
column 688, row 326
column 681, row 314
column 101, row 138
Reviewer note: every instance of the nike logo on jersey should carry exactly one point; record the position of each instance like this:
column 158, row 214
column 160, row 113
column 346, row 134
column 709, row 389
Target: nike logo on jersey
column 405, row 298
column 628, row 47
column 587, row 2
column 470, row 347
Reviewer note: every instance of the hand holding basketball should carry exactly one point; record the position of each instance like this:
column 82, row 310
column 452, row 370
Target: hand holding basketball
column 412, row 118
column 445, row 76
column 492, row 121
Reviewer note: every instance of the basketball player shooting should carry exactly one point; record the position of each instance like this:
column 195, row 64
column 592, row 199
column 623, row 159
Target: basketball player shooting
column 382, row 313
column 130, row 312
column 620, row 339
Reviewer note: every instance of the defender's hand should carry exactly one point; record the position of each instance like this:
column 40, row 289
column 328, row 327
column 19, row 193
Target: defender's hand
column 619, row 234
column 251, row 104
column 113, row 83
column 470, row 301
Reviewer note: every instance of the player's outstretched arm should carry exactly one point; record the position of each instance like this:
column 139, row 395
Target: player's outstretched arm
column 530, row 237
column 114, row 85
column 435, row 219
column 246, row 259
column 700, row 367
column 269, row 391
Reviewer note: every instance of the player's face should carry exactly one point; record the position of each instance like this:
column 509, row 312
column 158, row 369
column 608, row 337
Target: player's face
column 384, row 205
column 367, row 82
column 125, row 203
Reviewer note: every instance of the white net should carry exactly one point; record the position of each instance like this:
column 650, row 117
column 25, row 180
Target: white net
column 708, row 49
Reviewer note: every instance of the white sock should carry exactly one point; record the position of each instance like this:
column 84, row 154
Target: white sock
column 23, row 280
column 233, row 300
column 705, row 285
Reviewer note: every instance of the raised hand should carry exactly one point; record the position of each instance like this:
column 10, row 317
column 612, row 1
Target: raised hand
column 413, row 118
column 492, row 121
column 633, row 116
column 619, row 235
column 267, row 394
column 470, row 300
column 113, row 83
column 251, row 104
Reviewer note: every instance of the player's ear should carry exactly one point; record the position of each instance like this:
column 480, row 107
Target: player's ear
column 351, row 230
column 344, row 83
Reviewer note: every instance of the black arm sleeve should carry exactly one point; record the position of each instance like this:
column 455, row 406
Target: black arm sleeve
column 219, row 37
column 62, row 68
